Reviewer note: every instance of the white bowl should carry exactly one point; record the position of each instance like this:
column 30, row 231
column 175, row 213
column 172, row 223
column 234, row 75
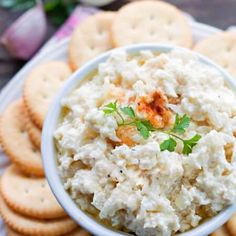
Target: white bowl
column 49, row 152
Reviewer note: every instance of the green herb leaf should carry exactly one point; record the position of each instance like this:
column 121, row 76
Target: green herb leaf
column 58, row 10
column 50, row 5
column 129, row 111
column 190, row 143
column 148, row 125
column 143, row 129
column 181, row 123
column 110, row 108
column 168, row 144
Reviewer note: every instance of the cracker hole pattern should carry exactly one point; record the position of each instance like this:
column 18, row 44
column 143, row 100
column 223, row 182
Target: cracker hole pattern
column 225, row 64
column 34, row 150
column 44, row 79
column 42, row 200
column 151, row 17
column 133, row 26
column 229, row 48
column 26, row 190
column 170, row 22
column 170, row 37
column 100, row 32
column 22, row 130
column 152, row 32
column 61, row 78
column 44, row 96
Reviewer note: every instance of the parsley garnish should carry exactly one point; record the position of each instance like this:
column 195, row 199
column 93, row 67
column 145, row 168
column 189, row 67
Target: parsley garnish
column 168, row 144
column 190, row 143
column 110, row 108
column 181, row 123
column 145, row 128
column 129, row 111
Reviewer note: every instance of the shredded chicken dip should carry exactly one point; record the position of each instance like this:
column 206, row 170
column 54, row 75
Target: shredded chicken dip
column 126, row 181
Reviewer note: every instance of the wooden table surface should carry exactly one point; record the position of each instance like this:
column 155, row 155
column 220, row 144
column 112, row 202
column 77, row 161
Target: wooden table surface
column 219, row 13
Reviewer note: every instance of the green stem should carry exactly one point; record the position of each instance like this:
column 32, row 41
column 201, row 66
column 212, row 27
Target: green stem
column 121, row 117
column 129, row 123
column 169, row 133
column 176, row 137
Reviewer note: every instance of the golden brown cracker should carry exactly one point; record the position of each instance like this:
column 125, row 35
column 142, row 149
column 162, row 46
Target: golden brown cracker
column 15, row 140
column 11, row 232
column 222, row 231
column 151, row 22
column 34, row 132
column 220, row 48
column 29, row 196
column 35, row 227
column 231, row 225
column 90, row 39
column 77, row 232
column 40, row 87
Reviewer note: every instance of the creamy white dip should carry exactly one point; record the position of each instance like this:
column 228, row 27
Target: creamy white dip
column 137, row 187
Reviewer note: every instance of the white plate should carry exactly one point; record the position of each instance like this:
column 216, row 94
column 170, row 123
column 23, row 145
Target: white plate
column 13, row 89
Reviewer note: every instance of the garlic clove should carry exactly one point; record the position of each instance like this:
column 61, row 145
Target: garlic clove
column 26, row 34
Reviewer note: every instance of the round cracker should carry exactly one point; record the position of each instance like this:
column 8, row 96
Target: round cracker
column 35, row 227
column 151, row 22
column 34, row 132
column 76, row 232
column 15, row 140
column 90, row 38
column 220, row 48
column 222, row 231
column 231, row 225
column 40, row 87
column 79, row 232
column 11, row 232
column 34, row 197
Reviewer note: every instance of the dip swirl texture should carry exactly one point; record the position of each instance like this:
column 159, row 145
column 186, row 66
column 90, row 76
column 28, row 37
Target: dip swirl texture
column 125, row 180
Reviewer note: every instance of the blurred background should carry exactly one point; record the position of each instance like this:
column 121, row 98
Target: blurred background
column 13, row 30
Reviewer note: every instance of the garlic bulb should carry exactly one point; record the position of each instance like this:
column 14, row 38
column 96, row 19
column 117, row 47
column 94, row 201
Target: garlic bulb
column 26, row 34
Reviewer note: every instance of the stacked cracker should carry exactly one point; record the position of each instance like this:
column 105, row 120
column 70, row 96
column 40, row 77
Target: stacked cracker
column 229, row 229
column 27, row 205
column 146, row 22
column 137, row 22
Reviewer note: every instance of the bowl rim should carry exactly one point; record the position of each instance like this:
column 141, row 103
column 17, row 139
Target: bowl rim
column 49, row 155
